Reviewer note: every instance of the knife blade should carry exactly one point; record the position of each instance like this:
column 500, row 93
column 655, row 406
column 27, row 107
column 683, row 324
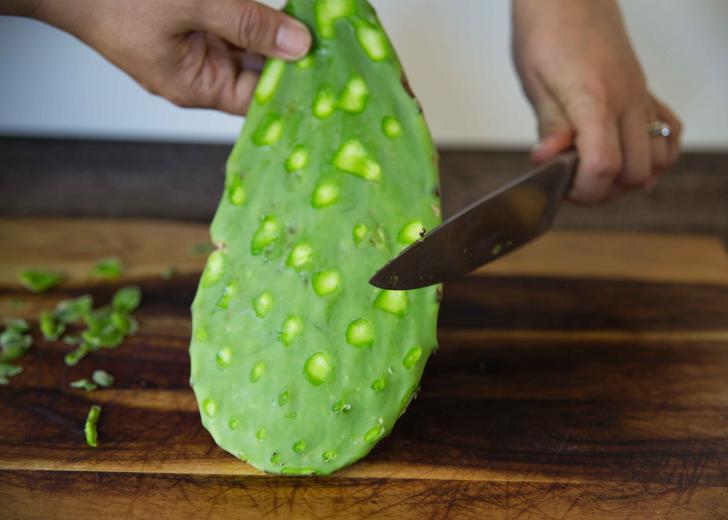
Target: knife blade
column 488, row 229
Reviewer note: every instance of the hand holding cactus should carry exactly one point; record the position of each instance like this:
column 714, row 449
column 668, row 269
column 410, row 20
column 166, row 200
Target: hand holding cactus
column 195, row 53
column 580, row 73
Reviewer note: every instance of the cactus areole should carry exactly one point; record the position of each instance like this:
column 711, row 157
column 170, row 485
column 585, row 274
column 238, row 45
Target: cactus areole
column 300, row 366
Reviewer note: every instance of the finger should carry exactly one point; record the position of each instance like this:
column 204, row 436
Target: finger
column 247, row 60
column 554, row 128
column 673, row 140
column 552, row 145
column 635, row 139
column 252, row 61
column 659, row 150
column 237, row 99
column 600, row 156
column 660, row 153
column 255, row 27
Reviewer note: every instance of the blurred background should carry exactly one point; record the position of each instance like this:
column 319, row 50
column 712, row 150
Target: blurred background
column 80, row 138
column 457, row 55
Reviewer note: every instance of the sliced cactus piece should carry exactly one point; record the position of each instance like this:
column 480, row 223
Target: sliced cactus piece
column 299, row 366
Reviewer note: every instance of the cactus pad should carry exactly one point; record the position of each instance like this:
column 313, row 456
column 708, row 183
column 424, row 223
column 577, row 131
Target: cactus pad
column 299, row 365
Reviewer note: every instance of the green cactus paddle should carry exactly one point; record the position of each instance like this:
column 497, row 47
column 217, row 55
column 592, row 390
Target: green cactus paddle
column 299, row 365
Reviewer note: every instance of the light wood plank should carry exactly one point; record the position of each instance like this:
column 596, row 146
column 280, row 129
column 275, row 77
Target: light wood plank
column 147, row 247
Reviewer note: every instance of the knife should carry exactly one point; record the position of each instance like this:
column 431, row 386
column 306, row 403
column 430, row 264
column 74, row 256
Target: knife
column 491, row 228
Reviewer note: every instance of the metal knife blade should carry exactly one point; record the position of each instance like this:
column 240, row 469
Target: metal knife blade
column 492, row 227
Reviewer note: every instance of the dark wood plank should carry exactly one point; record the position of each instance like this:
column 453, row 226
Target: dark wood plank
column 560, row 409
column 138, row 496
column 583, row 304
column 68, row 177
column 550, row 396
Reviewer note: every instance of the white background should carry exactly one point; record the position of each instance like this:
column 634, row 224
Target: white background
column 456, row 54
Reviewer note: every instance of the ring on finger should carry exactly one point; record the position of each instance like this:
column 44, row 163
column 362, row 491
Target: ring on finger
column 658, row 128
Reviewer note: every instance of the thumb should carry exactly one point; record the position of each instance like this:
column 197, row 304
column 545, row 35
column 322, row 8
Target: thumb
column 555, row 131
column 255, row 27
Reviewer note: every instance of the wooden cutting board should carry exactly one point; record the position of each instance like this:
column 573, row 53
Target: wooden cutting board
column 583, row 377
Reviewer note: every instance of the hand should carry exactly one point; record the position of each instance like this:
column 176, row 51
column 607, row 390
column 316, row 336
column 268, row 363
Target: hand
column 580, row 73
column 195, row 53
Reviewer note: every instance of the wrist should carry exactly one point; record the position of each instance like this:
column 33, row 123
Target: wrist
column 68, row 15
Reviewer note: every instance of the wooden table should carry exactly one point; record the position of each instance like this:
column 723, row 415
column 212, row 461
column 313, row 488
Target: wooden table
column 583, row 377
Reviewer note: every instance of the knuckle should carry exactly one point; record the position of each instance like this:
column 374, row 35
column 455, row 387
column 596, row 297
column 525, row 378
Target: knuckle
column 597, row 90
column 594, row 107
column 251, row 24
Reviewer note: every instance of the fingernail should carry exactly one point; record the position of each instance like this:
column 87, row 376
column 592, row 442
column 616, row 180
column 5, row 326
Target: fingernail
column 293, row 39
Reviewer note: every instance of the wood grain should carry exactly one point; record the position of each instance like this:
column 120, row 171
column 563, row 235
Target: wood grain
column 148, row 247
column 596, row 394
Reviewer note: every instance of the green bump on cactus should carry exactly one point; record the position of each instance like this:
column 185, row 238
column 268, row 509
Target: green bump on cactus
column 318, row 368
column 298, row 159
column 411, row 232
column 284, row 397
column 325, row 195
column 374, row 433
column 224, row 357
column 359, row 333
column 359, row 233
column 340, row 407
column 355, row 95
column 309, row 366
column 372, row 40
column 300, row 256
column 324, row 103
column 231, row 289
column 257, row 372
column 214, row 269
column 391, row 127
column 262, row 304
column 267, row 233
column 236, row 191
column 269, row 130
column 353, row 158
column 327, row 12
column 412, row 357
column 269, row 80
column 393, row 302
column 378, row 384
column 305, row 62
column 326, row 282
column 210, row 407
column 201, row 335
column 328, row 455
column 291, row 329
